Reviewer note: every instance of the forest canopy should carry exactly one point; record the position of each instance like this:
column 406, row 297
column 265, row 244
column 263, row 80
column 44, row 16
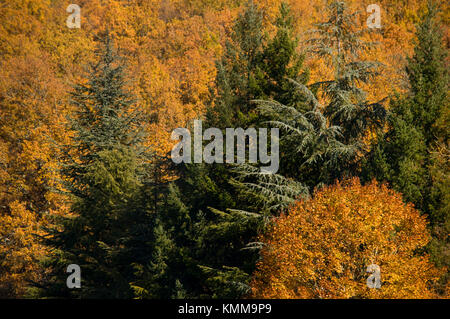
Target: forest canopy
column 86, row 174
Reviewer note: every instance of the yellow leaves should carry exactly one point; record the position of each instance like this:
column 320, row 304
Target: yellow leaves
column 322, row 247
column 31, row 118
column 394, row 39
column 171, row 48
column 160, row 101
column 19, row 249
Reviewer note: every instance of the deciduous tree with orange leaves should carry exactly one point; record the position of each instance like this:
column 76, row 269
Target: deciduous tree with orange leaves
column 321, row 247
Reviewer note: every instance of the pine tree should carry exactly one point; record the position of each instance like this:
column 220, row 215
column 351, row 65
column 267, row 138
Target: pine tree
column 153, row 279
column 105, row 172
column 398, row 154
column 280, row 62
column 217, row 224
column 414, row 129
column 237, row 72
column 427, row 74
column 411, row 154
column 440, row 245
column 428, row 78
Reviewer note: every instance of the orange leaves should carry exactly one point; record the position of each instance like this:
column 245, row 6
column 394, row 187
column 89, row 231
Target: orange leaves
column 160, row 101
column 322, row 246
column 31, row 115
column 171, row 48
column 171, row 63
column 394, row 38
column 19, row 250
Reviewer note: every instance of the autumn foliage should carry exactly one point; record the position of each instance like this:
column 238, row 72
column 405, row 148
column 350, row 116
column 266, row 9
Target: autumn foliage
column 321, row 247
column 171, row 51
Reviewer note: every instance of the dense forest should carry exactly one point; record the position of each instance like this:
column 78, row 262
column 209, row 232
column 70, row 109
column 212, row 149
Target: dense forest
column 87, row 175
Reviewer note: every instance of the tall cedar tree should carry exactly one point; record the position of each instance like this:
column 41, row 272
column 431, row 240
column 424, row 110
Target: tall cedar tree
column 321, row 142
column 339, row 41
column 105, row 176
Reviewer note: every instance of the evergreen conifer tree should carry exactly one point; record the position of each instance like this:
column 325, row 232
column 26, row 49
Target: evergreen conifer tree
column 398, row 154
column 237, row 71
column 339, row 41
column 411, row 154
column 106, row 177
column 321, row 141
column 218, row 225
column 428, row 75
